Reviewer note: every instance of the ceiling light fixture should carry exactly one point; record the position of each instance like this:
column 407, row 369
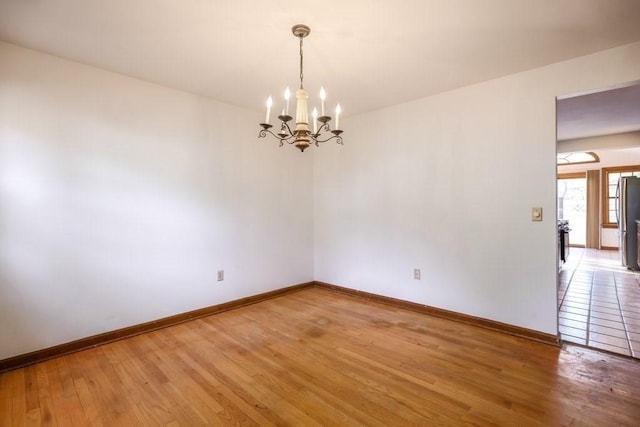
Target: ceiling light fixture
column 302, row 136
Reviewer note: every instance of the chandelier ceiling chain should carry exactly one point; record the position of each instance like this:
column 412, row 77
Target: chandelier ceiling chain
column 301, row 64
column 301, row 136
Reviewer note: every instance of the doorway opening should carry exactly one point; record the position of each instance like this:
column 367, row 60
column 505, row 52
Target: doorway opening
column 598, row 297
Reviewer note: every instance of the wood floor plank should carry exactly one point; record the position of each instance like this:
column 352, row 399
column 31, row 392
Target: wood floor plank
column 16, row 404
column 280, row 396
column 319, row 357
column 424, row 385
column 308, row 392
column 282, row 361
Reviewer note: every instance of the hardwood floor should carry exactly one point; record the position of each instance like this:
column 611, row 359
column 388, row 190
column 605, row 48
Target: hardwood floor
column 317, row 357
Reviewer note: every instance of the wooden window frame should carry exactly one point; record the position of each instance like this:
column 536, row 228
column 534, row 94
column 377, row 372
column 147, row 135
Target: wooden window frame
column 596, row 159
column 604, row 178
column 572, row 175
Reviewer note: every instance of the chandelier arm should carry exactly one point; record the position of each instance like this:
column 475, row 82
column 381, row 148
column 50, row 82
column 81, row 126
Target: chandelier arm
column 325, row 127
column 263, row 134
column 285, row 124
column 287, row 138
column 320, row 141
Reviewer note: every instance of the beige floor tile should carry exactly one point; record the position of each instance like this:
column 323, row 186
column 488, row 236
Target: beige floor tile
column 596, row 290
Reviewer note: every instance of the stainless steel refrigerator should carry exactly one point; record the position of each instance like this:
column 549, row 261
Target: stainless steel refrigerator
column 628, row 210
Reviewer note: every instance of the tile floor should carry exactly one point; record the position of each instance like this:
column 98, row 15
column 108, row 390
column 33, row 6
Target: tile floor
column 599, row 302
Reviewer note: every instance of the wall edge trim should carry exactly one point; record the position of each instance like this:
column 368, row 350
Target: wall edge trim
column 530, row 334
column 37, row 356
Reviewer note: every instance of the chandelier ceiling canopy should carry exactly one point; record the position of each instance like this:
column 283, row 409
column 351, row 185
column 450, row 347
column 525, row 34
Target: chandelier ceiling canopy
column 301, row 136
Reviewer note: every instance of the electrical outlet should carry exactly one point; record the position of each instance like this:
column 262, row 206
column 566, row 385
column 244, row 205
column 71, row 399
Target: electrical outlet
column 220, row 275
column 416, row 273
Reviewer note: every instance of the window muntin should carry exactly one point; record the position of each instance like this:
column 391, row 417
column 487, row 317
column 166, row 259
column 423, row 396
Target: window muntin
column 610, row 177
column 575, row 158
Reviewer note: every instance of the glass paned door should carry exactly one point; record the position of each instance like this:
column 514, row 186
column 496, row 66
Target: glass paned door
column 572, row 206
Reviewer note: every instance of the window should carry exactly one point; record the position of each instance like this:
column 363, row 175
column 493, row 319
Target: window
column 577, row 158
column 610, row 177
column 572, row 205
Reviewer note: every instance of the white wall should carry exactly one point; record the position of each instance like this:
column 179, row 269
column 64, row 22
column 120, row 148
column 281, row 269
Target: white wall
column 605, row 142
column 609, row 238
column 446, row 184
column 120, row 199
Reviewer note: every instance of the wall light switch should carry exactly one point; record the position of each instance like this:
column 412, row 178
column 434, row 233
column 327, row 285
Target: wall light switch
column 536, row 214
column 220, row 275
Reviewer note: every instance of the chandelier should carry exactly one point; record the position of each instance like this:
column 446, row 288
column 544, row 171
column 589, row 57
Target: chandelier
column 301, row 136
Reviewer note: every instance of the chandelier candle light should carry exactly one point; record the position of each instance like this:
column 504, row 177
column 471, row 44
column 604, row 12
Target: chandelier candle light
column 301, row 136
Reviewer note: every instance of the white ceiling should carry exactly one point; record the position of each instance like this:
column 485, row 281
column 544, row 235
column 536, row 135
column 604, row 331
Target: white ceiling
column 367, row 54
column 601, row 112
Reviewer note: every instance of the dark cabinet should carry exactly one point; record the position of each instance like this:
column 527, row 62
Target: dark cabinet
column 563, row 239
column 638, row 240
